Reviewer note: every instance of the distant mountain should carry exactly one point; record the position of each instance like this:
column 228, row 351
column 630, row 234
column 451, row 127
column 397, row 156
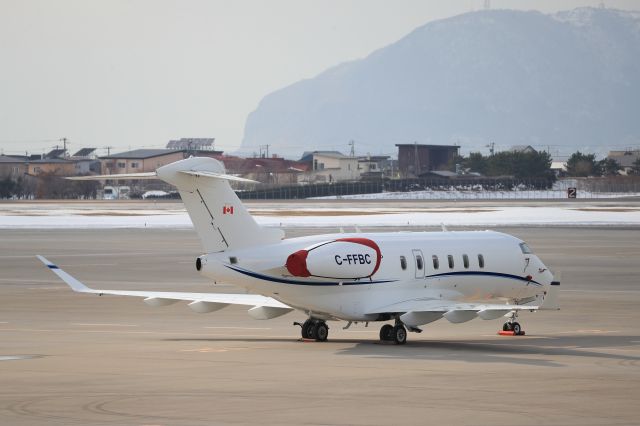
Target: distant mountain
column 571, row 80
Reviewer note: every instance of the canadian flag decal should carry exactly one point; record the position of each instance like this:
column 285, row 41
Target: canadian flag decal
column 227, row 210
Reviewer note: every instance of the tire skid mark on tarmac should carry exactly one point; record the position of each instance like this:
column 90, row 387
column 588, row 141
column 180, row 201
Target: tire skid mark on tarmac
column 98, row 407
column 24, row 409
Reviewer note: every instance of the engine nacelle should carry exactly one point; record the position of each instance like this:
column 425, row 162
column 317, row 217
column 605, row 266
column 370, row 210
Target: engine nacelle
column 345, row 258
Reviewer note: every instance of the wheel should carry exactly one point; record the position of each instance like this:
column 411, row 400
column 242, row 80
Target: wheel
column 311, row 330
column 385, row 332
column 506, row 326
column 308, row 324
column 516, row 328
column 321, row 332
column 399, row 334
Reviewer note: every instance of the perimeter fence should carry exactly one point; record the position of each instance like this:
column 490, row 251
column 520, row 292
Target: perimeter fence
column 500, row 188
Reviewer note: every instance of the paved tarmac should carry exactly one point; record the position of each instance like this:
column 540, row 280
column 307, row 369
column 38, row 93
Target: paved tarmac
column 70, row 359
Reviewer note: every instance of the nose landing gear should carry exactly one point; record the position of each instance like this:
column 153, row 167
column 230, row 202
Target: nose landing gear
column 512, row 326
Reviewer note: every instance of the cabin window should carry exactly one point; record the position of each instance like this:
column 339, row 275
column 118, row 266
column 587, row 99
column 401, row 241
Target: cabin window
column 436, row 262
column 233, row 260
column 481, row 261
column 465, row 260
column 450, row 258
column 403, row 262
column 419, row 263
column 525, row 248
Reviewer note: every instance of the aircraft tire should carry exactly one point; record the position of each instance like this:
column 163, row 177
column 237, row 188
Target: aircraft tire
column 399, row 335
column 517, row 330
column 311, row 330
column 305, row 329
column 386, row 332
column 321, row 332
column 506, row 326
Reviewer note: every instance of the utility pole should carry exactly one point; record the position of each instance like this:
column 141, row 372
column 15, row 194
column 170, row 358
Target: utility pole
column 491, row 147
column 352, row 143
column 108, row 148
column 266, row 149
column 416, row 160
column 64, row 145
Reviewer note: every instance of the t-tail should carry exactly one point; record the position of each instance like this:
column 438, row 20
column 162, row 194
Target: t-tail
column 219, row 217
column 221, row 220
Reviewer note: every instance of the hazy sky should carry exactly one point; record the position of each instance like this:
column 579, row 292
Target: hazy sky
column 138, row 73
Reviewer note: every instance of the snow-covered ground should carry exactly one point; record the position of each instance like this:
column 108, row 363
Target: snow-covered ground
column 569, row 215
column 556, row 194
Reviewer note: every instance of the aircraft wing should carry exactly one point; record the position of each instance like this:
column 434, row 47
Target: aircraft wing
column 417, row 312
column 263, row 307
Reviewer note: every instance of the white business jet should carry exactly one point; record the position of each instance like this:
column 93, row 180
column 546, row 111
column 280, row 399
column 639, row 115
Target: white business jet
column 411, row 278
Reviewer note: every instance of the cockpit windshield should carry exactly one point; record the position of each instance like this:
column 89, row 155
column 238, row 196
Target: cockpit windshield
column 525, row 248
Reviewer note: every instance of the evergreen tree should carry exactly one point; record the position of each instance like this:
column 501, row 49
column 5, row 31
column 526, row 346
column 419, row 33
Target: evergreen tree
column 609, row 167
column 582, row 165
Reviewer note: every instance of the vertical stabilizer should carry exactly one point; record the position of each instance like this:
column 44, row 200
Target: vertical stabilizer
column 221, row 220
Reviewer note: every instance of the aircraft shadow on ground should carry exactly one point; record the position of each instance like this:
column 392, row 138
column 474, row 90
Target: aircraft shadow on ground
column 546, row 351
column 549, row 351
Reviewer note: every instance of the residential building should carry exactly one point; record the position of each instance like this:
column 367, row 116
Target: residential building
column 12, row 167
column 330, row 166
column 374, row 167
column 140, row 160
column 273, row 170
column 625, row 159
column 53, row 166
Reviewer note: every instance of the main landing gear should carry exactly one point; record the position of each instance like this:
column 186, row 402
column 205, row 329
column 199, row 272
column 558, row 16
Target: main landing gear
column 314, row 329
column 396, row 333
column 513, row 326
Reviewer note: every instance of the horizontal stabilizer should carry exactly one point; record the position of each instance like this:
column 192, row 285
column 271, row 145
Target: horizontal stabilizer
column 121, row 176
column 213, row 175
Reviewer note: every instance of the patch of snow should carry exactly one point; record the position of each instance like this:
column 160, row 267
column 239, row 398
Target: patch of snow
column 495, row 216
column 479, row 195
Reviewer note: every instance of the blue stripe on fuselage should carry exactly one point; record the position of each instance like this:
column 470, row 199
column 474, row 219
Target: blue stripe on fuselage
column 330, row 283
column 299, row 282
column 481, row 273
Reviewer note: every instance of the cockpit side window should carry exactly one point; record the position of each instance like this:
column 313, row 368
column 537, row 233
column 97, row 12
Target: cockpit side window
column 525, row 248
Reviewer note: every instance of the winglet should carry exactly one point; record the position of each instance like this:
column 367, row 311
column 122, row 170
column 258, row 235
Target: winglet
column 71, row 282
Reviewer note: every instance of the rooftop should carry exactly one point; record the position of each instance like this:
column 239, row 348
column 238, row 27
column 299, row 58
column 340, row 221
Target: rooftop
column 139, row 154
column 413, row 145
column 7, row 159
column 84, row 152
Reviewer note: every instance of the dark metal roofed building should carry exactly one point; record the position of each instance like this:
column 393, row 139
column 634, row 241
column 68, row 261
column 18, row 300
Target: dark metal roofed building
column 84, row 152
column 416, row 159
column 55, row 153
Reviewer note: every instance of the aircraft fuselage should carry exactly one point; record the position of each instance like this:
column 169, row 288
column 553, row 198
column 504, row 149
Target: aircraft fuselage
column 469, row 266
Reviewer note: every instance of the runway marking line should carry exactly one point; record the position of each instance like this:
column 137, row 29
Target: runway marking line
column 595, row 331
column 103, row 325
column 240, row 328
column 216, row 350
